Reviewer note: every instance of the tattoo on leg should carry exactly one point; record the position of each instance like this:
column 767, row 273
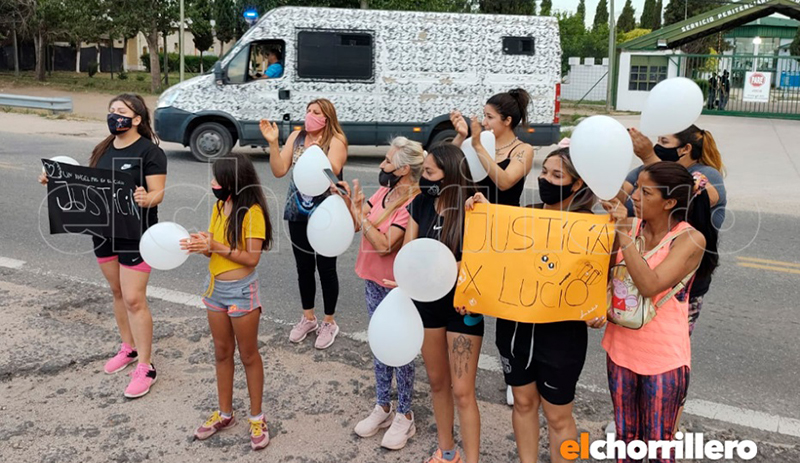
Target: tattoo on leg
column 460, row 355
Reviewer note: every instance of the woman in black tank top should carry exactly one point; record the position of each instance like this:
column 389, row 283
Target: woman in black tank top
column 512, row 160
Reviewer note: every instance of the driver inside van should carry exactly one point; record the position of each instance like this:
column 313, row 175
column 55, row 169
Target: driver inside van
column 274, row 67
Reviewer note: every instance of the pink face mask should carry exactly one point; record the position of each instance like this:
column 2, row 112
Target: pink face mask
column 315, row 123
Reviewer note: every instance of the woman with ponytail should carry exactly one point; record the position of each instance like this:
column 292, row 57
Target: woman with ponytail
column 648, row 368
column 133, row 148
column 696, row 150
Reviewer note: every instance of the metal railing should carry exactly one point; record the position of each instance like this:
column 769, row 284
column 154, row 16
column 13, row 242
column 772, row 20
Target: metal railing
column 35, row 102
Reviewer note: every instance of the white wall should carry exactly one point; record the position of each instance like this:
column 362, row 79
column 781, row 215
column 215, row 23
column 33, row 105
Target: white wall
column 633, row 100
column 581, row 79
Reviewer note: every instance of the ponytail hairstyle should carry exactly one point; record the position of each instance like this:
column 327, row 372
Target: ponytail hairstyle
column 582, row 199
column 456, row 188
column 136, row 104
column 513, row 104
column 704, row 148
column 677, row 183
column 407, row 153
column 236, row 173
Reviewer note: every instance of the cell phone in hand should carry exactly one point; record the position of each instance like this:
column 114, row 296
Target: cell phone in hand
column 335, row 181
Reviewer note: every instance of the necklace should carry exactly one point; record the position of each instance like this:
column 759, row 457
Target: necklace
column 497, row 150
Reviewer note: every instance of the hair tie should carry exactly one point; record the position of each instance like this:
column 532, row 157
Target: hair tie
column 564, row 143
column 700, row 184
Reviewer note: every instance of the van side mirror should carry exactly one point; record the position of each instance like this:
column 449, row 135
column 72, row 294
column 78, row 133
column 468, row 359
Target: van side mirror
column 218, row 74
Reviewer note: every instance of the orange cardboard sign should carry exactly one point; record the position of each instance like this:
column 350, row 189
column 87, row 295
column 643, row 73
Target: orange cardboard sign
column 533, row 265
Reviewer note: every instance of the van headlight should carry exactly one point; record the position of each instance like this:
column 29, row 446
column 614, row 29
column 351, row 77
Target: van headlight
column 168, row 99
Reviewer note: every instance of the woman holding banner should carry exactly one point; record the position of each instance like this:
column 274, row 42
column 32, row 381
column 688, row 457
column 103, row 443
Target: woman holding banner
column 321, row 128
column 648, row 368
column 383, row 220
column 542, row 362
column 450, row 348
column 133, row 148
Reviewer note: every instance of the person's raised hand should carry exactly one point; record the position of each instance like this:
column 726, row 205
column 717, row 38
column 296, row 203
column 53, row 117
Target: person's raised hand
column 459, row 123
column 43, row 178
column 476, row 128
column 269, row 130
column 642, row 146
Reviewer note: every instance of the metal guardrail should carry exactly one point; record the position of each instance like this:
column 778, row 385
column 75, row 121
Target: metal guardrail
column 35, row 102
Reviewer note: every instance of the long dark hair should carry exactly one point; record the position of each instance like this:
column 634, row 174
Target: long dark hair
column 236, row 173
column 136, row 104
column 677, row 183
column 704, row 147
column 513, row 104
column 456, row 188
column 582, row 199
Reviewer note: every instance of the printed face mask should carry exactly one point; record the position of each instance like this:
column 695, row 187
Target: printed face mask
column 430, row 187
column 118, row 124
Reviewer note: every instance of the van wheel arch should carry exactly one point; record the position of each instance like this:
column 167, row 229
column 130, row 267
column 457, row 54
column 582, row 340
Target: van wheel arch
column 443, row 132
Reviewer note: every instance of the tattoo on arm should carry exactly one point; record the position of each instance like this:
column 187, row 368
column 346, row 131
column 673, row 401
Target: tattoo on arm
column 461, row 354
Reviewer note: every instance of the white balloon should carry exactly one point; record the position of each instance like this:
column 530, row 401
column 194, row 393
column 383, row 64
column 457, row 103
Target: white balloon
column 672, row 106
column 602, row 150
column 65, row 160
column 160, row 246
column 425, row 269
column 395, row 331
column 308, row 172
column 330, row 227
column 474, row 163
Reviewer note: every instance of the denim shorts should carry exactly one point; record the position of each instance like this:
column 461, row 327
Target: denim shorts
column 236, row 298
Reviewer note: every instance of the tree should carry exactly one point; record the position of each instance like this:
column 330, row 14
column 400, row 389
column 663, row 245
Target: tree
column 627, row 19
column 581, row 12
column 601, row 15
column 573, row 38
column 647, row 13
column 659, row 11
column 524, row 7
column 794, row 48
column 225, row 19
column 150, row 17
column 546, row 8
column 200, row 13
column 678, row 10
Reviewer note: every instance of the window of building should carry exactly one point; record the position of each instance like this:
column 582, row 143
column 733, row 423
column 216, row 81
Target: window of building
column 647, row 71
column 335, row 55
column 518, row 46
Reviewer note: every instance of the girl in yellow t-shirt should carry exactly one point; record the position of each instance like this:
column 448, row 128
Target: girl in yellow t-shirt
column 239, row 231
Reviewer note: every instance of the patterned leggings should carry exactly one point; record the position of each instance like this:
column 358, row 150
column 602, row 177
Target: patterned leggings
column 646, row 407
column 383, row 373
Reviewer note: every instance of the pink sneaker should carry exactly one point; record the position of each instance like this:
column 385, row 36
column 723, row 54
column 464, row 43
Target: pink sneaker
column 326, row 334
column 212, row 425
column 259, row 434
column 124, row 357
column 302, row 328
column 142, row 378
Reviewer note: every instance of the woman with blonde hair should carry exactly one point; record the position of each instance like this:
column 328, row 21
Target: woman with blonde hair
column 383, row 220
column 321, row 128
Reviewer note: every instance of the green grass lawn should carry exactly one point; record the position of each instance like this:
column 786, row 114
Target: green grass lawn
column 136, row 81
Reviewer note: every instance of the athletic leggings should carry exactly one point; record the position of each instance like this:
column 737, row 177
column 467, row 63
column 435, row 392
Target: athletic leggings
column 646, row 406
column 306, row 260
column 383, row 373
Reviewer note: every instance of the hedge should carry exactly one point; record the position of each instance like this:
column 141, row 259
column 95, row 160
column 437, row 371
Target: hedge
column 191, row 62
column 704, row 86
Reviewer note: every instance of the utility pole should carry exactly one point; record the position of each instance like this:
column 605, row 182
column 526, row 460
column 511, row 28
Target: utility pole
column 612, row 54
column 180, row 43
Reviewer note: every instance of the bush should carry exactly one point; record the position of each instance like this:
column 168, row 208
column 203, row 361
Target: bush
column 191, row 63
column 140, row 77
column 92, row 68
column 704, row 86
column 123, row 75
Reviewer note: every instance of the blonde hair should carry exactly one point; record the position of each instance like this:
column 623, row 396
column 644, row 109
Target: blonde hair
column 332, row 128
column 704, row 147
column 406, row 153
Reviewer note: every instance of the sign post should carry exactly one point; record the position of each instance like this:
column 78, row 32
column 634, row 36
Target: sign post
column 757, row 86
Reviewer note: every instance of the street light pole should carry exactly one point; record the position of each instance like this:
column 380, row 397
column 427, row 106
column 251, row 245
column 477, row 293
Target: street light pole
column 180, row 43
column 612, row 54
column 756, row 43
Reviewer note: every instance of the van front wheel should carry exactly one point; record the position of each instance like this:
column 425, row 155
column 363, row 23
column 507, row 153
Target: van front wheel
column 443, row 136
column 209, row 141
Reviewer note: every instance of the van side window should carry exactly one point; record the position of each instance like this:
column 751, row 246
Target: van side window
column 237, row 68
column 332, row 55
column 518, row 46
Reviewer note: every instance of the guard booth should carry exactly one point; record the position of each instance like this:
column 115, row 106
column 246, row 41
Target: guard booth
column 761, row 78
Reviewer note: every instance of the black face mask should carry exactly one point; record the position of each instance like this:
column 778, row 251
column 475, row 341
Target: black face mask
column 388, row 179
column 553, row 194
column 667, row 154
column 222, row 194
column 118, row 124
column 430, row 187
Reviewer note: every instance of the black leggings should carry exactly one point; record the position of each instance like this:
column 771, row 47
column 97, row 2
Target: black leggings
column 306, row 259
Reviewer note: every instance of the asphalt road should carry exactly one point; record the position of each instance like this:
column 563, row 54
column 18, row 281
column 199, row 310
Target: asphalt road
column 745, row 349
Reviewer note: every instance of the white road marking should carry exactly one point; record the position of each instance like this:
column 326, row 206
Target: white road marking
column 702, row 408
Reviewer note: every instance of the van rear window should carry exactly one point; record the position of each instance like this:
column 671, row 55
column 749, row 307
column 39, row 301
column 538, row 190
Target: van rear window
column 518, row 46
column 333, row 55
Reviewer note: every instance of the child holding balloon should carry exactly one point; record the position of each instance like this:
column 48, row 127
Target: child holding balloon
column 239, row 231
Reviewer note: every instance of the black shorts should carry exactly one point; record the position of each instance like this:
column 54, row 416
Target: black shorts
column 124, row 250
column 555, row 383
column 442, row 314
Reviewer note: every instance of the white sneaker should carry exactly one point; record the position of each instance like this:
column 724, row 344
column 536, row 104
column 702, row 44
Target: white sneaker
column 509, row 396
column 401, row 430
column 377, row 420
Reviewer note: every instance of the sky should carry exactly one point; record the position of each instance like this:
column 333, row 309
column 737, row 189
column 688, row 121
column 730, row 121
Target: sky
column 591, row 5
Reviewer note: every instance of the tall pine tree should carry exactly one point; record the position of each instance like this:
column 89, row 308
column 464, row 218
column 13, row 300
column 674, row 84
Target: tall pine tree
column 627, row 19
column 600, row 15
column 581, row 13
column 546, row 8
column 659, row 11
column 647, row 14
